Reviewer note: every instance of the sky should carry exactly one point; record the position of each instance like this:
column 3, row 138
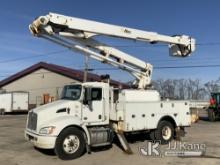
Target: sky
column 198, row 19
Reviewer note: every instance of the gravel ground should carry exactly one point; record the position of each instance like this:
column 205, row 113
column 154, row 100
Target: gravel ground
column 14, row 150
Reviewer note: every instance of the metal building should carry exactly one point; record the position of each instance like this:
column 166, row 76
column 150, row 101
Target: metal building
column 44, row 81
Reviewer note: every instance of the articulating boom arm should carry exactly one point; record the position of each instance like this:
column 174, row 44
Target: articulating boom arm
column 77, row 35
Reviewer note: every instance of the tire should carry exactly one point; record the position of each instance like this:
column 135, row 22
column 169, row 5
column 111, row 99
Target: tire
column 70, row 144
column 164, row 132
column 152, row 135
column 211, row 115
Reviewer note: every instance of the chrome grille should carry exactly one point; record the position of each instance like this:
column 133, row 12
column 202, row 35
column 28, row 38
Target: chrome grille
column 32, row 121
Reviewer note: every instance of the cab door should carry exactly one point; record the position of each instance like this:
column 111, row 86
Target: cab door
column 93, row 105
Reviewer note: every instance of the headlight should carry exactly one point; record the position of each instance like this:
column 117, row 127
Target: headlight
column 47, row 130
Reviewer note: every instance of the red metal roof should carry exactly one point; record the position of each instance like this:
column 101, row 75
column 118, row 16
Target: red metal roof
column 68, row 72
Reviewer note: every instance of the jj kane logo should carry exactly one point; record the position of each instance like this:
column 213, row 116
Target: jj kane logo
column 180, row 149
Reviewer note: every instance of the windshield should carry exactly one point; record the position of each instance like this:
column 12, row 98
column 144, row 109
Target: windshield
column 71, row 92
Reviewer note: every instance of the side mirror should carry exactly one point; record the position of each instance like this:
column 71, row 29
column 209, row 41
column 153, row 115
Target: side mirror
column 87, row 96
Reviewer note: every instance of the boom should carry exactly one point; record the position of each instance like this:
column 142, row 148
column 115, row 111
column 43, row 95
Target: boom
column 78, row 35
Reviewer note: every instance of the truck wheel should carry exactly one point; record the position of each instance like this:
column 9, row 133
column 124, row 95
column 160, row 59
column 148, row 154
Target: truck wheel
column 152, row 135
column 164, row 132
column 70, row 144
column 211, row 115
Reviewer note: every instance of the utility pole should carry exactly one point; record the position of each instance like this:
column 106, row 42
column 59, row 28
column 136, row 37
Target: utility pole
column 86, row 67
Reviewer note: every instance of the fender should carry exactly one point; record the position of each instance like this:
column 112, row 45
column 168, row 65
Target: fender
column 168, row 118
column 66, row 121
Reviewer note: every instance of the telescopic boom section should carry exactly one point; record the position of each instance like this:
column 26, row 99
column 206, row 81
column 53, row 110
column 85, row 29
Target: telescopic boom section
column 78, row 35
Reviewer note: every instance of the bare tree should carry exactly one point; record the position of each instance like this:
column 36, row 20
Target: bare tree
column 181, row 89
column 212, row 85
column 169, row 88
column 160, row 86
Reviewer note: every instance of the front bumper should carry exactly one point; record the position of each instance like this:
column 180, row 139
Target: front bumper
column 44, row 142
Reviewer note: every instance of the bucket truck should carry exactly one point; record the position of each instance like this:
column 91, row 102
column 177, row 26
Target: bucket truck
column 90, row 114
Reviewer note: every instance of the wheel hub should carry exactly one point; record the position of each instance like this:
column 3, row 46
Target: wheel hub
column 71, row 144
column 166, row 133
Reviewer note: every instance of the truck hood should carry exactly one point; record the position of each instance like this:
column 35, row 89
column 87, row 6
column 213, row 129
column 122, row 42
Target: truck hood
column 54, row 106
column 56, row 109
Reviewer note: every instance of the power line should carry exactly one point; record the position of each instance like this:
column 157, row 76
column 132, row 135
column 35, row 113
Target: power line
column 91, row 69
column 187, row 60
column 190, row 66
column 163, row 67
column 157, row 67
column 163, row 45
column 30, row 57
column 62, row 51
column 208, row 44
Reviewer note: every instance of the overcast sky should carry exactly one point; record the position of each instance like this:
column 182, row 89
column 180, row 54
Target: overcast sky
column 199, row 19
